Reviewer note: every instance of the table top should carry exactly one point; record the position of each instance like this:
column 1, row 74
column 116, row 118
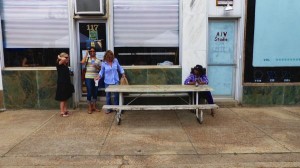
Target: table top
column 157, row 88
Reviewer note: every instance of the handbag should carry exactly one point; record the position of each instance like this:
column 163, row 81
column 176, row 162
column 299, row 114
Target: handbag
column 124, row 81
column 72, row 89
column 84, row 70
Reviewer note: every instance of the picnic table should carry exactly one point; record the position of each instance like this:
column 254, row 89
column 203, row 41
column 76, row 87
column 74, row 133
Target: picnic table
column 160, row 90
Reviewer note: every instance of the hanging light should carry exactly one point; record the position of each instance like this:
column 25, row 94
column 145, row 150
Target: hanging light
column 228, row 7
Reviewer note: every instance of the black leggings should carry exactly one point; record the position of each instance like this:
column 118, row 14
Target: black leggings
column 207, row 96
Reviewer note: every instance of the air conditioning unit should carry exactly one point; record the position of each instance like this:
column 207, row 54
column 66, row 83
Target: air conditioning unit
column 89, row 7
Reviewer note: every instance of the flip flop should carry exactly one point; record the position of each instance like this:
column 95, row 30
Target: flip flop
column 65, row 114
column 108, row 111
column 97, row 110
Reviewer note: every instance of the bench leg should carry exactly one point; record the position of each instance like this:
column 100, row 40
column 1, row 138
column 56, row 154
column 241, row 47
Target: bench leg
column 119, row 111
column 118, row 116
column 199, row 117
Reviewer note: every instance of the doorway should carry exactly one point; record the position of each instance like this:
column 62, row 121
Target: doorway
column 222, row 60
column 91, row 33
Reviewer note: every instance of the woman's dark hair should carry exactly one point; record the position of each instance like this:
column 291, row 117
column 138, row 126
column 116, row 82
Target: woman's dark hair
column 92, row 48
column 199, row 68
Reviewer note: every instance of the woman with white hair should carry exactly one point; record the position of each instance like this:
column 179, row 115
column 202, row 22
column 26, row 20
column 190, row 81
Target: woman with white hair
column 64, row 88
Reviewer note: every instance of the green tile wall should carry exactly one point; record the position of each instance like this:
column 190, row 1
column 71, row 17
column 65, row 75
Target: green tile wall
column 292, row 95
column 165, row 76
column 271, row 95
column 35, row 89
column 1, row 101
column 47, row 89
column 30, row 89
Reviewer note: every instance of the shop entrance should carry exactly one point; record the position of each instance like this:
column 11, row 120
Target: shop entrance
column 90, row 34
column 222, row 57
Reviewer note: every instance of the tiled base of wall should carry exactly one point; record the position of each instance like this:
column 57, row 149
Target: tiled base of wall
column 150, row 76
column 1, row 100
column 271, row 95
column 35, row 89
column 29, row 89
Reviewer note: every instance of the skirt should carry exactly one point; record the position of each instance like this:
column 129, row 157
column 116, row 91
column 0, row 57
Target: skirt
column 64, row 91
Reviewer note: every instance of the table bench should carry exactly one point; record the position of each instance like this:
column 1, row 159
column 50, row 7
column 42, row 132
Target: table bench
column 157, row 90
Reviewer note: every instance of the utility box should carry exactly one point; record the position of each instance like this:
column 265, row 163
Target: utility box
column 89, row 7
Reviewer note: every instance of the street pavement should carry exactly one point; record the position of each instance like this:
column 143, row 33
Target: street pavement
column 235, row 137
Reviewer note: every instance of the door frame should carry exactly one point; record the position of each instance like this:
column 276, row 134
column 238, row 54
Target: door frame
column 77, row 47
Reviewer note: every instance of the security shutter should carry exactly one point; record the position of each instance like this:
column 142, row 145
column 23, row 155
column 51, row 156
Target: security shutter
column 146, row 23
column 35, row 23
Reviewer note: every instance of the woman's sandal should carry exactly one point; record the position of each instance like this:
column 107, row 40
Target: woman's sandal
column 107, row 111
column 96, row 110
column 65, row 114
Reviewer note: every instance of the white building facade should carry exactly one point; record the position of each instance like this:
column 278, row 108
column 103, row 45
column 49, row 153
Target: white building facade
column 160, row 39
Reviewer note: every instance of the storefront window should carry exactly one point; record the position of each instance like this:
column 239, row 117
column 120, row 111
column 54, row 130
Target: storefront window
column 146, row 32
column 147, row 55
column 34, row 32
column 272, row 50
column 31, row 57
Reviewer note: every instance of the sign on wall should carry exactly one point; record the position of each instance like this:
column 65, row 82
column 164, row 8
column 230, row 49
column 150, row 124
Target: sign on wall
column 92, row 35
column 224, row 2
column 221, row 42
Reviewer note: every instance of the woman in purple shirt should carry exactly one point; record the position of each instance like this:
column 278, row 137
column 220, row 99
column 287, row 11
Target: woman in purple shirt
column 109, row 70
column 198, row 77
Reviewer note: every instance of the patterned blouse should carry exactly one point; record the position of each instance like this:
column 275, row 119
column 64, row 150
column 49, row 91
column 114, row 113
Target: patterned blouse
column 193, row 78
column 91, row 71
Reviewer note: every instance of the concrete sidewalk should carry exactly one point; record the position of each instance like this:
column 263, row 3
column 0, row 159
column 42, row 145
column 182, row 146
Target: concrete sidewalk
column 235, row 137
